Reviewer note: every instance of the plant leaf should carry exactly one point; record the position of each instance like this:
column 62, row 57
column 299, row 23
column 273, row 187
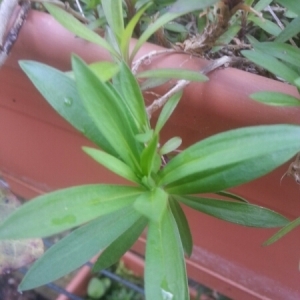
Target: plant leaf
column 117, row 248
column 183, row 226
column 271, row 64
column 78, row 247
column 61, row 93
column 184, row 7
column 167, row 111
column 148, row 156
column 275, row 99
column 69, row 208
column 230, row 158
column 282, row 51
column 73, row 25
column 282, row 232
column 173, row 73
column 290, row 31
column 291, row 5
column 165, row 273
column 127, row 34
column 265, row 24
column 240, row 213
column 113, row 164
column 152, row 204
column 170, row 146
column 113, row 12
column 231, row 196
column 132, row 97
column 108, row 111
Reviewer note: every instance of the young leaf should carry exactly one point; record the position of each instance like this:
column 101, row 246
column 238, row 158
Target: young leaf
column 104, row 70
column 78, row 247
column 152, row 83
column 240, row 213
column 170, row 146
column 117, row 248
column 108, row 111
column 282, row 232
column 113, row 12
column 275, row 98
column 271, row 64
column 113, row 164
column 132, row 97
column 73, row 25
column 173, row 73
column 127, row 34
column 265, row 24
column 167, row 111
column 165, row 273
column 183, row 226
column 61, row 93
column 148, row 156
column 152, row 204
column 230, row 158
column 291, row 30
column 69, row 208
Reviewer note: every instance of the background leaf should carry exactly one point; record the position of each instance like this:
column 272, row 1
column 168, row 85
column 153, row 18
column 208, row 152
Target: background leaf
column 282, row 232
column 275, row 99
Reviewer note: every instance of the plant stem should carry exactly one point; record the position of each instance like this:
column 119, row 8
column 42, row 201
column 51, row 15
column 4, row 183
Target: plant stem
column 181, row 84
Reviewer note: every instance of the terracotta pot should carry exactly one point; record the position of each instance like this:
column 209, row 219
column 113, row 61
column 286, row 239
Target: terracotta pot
column 41, row 152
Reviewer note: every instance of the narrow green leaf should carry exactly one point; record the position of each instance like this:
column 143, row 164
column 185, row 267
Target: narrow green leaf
column 104, row 70
column 73, row 25
column 69, row 208
column 152, row 83
column 113, row 164
column 184, row 7
column 265, row 24
column 161, row 21
column 284, row 52
column 148, row 155
column 240, row 213
column 108, row 111
column 226, row 37
column 165, row 272
column 282, row 232
column 271, row 64
column 170, row 146
column 173, row 73
column 231, row 196
column 183, row 226
column 230, row 158
column 132, row 97
column 262, row 4
column 291, row 5
column 152, row 204
column 78, row 247
column 117, row 248
column 61, row 93
column 127, row 35
column 290, row 31
column 167, row 111
column 145, row 137
column 275, row 99
column 113, row 12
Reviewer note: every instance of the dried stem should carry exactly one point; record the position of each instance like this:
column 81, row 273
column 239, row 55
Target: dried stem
column 181, row 84
column 14, row 31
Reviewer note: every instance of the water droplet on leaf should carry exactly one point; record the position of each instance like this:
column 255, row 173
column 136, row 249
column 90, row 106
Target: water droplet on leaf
column 166, row 295
column 68, row 101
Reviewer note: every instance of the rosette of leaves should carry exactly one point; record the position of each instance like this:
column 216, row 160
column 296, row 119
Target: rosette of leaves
column 109, row 217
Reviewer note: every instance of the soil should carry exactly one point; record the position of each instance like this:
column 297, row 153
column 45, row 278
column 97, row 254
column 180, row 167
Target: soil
column 9, row 289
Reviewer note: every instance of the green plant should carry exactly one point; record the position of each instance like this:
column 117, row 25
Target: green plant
column 113, row 115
